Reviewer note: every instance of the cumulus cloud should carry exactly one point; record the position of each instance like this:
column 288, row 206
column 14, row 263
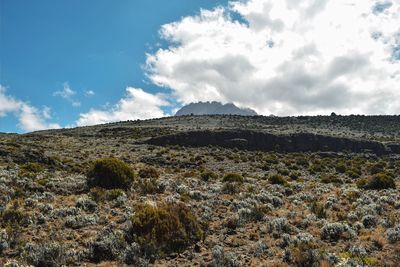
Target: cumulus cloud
column 30, row 118
column 137, row 104
column 68, row 94
column 286, row 57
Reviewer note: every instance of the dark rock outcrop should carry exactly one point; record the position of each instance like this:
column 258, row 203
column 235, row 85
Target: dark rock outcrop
column 252, row 140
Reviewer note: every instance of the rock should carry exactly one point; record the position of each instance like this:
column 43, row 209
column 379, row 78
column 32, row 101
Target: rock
column 254, row 140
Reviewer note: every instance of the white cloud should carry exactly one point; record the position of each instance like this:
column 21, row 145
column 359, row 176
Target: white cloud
column 89, row 93
column 7, row 103
column 68, row 94
column 286, row 57
column 137, row 104
column 30, row 118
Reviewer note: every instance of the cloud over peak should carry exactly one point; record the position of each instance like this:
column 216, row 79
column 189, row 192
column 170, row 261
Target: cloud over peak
column 285, row 57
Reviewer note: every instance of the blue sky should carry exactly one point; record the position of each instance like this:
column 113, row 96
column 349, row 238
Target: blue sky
column 96, row 45
column 66, row 63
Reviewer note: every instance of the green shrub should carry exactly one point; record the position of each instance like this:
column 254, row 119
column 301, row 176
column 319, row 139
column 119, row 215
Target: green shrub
column 341, row 167
column 377, row 167
column 318, row 209
column 294, row 175
column 277, row 179
column 148, row 172
column 272, row 159
column 150, row 186
column 327, row 179
column 353, row 173
column 165, row 228
column 230, row 188
column 208, row 175
column 233, row 177
column 99, row 194
column 30, row 169
column 13, row 217
column 305, row 254
column 377, row 182
column 110, row 173
column 283, row 171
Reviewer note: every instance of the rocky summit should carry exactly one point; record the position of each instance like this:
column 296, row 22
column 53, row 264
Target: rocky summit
column 218, row 190
column 214, row 108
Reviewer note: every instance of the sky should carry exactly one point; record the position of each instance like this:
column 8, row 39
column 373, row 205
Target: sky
column 68, row 63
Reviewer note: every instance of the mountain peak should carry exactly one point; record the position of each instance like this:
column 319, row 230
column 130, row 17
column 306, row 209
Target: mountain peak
column 214, row 108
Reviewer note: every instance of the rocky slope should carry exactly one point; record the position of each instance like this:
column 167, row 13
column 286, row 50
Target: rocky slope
column 206, row 195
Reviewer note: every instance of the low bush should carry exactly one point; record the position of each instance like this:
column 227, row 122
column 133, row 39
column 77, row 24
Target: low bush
column 294, row 175
column 305, row 254
column 13, row 217
column 341, row 167
column 165, row 228
column 30, row 169
column 99, row 194
column 108, row 245
column 150, row 186
column 233, row 177
column 377, row 182
column 208, row 175
column 148, row 172
column 231, row 188
column 318, row 209
column 327, row 179
column 49, row 255
column 336, row 231
column 277, row 179
column 110, row 173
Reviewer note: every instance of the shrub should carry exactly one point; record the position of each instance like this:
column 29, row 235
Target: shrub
column 80, row 221
column 341, row 167
column 208, row 175
column 327, row 179
column 283, row 171
column 294, row 175
column 30, row 169
column 165, row 228
column 150, row 186
column 230, row 188
column 277, row 179
column 336, row 231
column 148, row 172
column 377, row 167
column 45, row 254
column 110, row 173
column 233, row 177
column 353, row 173
column 107, row 245
column 99, row 194
column 393, row 234
column 377, row 182
column 318, row 209
column 305, row 254
column 13, row 217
